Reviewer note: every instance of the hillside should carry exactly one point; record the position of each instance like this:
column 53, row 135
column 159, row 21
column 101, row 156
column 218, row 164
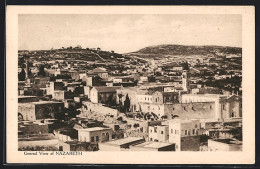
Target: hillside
column 181, row 50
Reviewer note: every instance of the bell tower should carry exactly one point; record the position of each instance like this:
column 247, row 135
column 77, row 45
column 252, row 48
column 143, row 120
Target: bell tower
column 185, row 77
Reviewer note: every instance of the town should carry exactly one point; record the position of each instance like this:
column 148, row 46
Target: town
column 160, row 98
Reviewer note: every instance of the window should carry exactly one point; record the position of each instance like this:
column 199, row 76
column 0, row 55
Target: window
column 161, row 132
column 192, row 108
column 171, row 130
column 193, row 131
column 151, row 131
column 184, row 108
column 97, row 138
column 92, row 139
column 151, row 139
column 210, row 107
column 173, row 108
column 223, row 107
column 185, row 132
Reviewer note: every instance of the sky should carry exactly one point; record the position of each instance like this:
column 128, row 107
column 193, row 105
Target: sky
column 126, row 33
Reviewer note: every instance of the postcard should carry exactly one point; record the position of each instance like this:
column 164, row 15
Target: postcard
column 130, row 84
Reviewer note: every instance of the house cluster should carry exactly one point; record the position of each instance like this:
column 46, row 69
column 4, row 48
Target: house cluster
column 98, row 109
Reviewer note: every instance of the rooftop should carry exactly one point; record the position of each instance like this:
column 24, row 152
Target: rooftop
column 228, row 141
column 181, row 121
column 41, row 102
column 124, row 140
column 19, row 97
column 98, row 70
column 106, row 89
column 153, row 145
column 94, row 129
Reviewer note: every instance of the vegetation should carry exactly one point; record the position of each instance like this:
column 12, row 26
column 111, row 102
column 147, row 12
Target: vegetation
column 41, row 71
column 127, row 103
column 181, row 50
column 21, row 75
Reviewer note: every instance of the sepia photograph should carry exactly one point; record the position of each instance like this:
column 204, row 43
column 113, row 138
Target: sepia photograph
column 130, row 82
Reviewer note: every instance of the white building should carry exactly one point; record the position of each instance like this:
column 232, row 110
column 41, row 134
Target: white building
column 185, row 80
column 226, row 106
column 95, row 134
column 185, row 134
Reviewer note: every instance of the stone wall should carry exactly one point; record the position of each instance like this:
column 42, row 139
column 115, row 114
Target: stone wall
column 99, row 108
column 190, row 110
column 48, row 110
column 44, row 143
column 190, row 143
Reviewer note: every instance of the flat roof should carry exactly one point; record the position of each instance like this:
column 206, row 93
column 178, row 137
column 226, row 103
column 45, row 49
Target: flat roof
column 181, row 120
column 153, row 145
column 19, row 97
column 233, row 120
column 227, row 141
column 41, row 102
column 124, row 140
column 94, row 129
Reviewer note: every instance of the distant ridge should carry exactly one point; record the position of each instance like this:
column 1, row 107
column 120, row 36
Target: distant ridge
column 186, row 50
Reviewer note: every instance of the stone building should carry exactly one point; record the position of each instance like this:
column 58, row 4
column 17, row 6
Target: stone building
column 95, row 134
column 40, row 110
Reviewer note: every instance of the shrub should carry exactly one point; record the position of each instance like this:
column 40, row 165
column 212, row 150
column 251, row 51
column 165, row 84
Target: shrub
column 136, row 125
column 119, row 118
column 124, row 121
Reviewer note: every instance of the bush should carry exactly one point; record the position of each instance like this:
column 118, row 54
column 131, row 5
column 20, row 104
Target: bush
column 136, row 125
column 130, row 116
column 119, row 118
column 124, row 121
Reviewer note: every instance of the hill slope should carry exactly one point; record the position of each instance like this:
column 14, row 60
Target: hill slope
column 181, row 50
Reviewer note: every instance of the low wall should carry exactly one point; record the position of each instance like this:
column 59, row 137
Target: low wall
column 62, row 137
column 100, row 108
column 44, row 143
column 219, row 146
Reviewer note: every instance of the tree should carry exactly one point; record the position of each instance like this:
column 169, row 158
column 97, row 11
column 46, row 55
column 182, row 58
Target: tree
column 127, row 102
column 21, row 62
column 21, row 75
column 164, row 117
column 174, row 116
column 120, row 118
column 29, row 73
column 136, row 125
column 41, row 71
